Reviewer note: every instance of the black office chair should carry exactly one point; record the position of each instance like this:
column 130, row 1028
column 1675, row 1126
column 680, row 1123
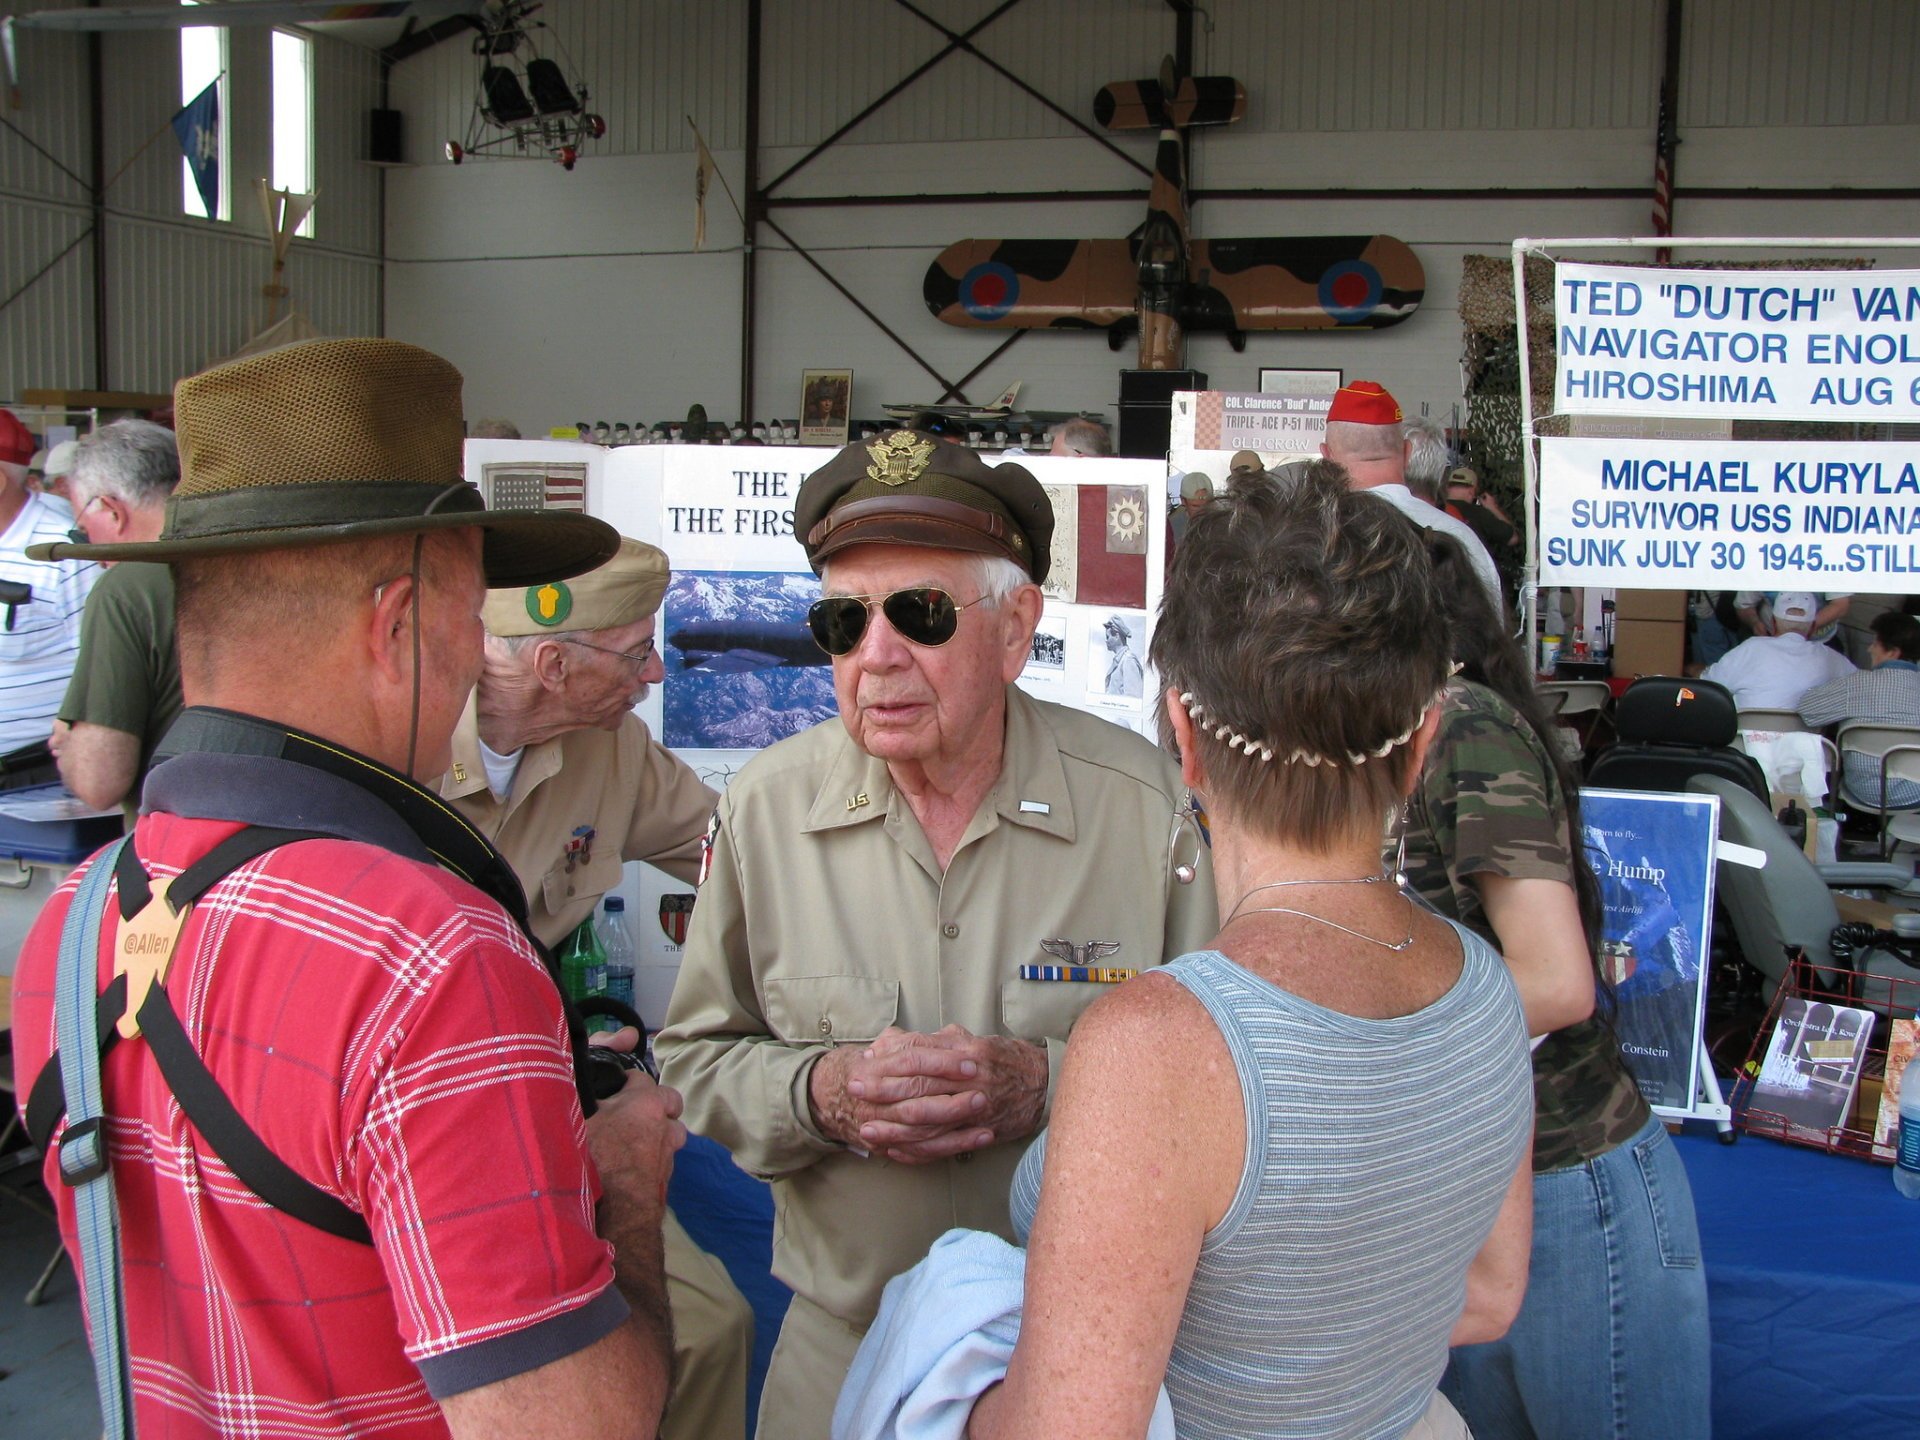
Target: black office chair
column 1672, row 729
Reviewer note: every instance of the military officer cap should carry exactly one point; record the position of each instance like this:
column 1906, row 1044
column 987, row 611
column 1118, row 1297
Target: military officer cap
column 628, row 588
column 907, row 488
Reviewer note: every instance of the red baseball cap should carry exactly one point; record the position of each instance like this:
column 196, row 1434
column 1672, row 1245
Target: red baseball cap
column 1364, row 402
column 16, row 442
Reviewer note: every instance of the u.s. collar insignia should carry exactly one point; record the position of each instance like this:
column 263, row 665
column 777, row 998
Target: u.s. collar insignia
column 550, row 603
column 901, row 457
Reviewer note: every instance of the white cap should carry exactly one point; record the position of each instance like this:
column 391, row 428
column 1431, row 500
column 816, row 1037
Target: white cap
column 1796, row 605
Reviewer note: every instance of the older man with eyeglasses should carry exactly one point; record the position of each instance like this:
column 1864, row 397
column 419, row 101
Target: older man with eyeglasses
column 553, row 766
column 906, row 909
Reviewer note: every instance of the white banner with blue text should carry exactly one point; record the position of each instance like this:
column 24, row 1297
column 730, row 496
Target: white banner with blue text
column 1837, row 345
column 1727, row 515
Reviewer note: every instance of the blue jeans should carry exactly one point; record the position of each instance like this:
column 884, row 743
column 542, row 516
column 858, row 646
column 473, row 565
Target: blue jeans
column 1611, row 1341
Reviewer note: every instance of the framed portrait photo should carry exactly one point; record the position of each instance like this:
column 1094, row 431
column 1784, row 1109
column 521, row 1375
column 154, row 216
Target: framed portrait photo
column 826, row 400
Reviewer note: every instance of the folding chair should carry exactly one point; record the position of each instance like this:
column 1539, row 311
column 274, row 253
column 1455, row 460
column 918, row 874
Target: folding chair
column 1862, row 745
column 1570, row 699
column 1901, row 762
column 1781, row 722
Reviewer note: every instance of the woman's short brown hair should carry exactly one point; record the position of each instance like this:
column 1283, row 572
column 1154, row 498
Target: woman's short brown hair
column 1303, row 620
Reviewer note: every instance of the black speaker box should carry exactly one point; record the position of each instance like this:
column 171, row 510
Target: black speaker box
column 383, row 137
column 1146, row 408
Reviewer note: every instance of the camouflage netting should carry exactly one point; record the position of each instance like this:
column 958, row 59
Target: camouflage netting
column 1490, row 360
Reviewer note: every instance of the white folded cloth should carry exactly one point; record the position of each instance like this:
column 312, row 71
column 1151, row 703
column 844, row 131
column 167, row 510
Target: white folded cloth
column 944, row 1334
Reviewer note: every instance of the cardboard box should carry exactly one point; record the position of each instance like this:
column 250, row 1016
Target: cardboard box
column 1650, row 605
column 1649, row 647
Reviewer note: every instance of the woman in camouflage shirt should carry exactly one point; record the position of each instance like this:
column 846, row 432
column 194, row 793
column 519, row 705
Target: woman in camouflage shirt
column 1612, row 1337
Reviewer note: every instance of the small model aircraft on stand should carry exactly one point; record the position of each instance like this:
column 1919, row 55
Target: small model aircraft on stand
column 1160, row 281
column 1004, row 412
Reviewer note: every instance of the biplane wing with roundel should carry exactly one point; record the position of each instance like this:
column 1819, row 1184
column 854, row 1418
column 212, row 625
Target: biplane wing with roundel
column 1320, row 282
column 1160, row 280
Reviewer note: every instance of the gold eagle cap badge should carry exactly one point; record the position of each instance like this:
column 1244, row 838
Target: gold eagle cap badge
column 901, row 457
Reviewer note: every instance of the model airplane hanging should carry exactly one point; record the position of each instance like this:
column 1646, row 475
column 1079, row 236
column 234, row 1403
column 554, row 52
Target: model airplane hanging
column 1003, row 411
column 523, row 102
column 1160, row 280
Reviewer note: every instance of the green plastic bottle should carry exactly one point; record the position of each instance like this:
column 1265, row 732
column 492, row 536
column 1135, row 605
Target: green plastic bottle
column 583, row 964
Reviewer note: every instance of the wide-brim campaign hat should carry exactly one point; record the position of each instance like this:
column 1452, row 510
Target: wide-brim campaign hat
column 333, row 440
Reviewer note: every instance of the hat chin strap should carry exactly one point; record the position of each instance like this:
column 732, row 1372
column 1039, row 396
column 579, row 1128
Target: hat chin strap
column 413, row 721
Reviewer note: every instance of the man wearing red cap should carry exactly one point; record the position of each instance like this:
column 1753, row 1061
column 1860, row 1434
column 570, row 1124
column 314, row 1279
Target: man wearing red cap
column 1366, row 438
column 40, row 638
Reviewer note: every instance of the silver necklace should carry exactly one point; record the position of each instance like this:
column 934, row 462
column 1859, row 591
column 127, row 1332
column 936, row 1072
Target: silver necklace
column 1242, row 909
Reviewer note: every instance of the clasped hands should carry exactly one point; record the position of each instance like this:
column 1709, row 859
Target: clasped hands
column 917, row 1098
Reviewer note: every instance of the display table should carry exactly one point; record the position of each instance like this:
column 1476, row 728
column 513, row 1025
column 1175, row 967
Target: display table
column 1813, row 1279
column 1813, row 1282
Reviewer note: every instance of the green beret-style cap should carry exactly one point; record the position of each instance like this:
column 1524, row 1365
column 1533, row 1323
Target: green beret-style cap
column 907, row 488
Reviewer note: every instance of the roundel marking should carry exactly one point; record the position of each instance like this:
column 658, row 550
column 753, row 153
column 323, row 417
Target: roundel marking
column 1350, row 291
column 989, row 290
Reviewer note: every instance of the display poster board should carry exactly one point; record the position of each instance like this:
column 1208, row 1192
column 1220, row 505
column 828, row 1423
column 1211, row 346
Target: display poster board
column 1209, row 427
column 1653, row 855
column 1829, row 345
column 1818, row 515
column 742, row 670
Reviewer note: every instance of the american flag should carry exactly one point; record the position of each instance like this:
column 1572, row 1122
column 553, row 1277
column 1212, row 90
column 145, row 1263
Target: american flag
column 1664, row 143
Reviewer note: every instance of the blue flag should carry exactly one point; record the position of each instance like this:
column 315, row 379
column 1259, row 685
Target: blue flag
column 198, row 127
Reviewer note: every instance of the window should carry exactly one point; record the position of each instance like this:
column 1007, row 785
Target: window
column 293, row 117
column 203, row 60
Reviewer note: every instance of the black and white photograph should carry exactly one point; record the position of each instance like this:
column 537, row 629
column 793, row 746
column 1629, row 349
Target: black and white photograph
column 1116, row 655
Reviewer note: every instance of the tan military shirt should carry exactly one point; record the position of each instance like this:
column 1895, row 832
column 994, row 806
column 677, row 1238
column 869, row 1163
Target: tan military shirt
column 826, row 918
column 638, row 800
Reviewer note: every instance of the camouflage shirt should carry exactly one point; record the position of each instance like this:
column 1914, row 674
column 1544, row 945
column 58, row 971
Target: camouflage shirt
column 1490, row 802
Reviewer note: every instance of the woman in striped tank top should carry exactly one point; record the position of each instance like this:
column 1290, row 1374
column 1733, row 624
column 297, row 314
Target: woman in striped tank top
column 1285, row 1172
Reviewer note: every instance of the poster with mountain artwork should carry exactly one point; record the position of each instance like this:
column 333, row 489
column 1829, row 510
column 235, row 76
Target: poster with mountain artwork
column 1653, row 856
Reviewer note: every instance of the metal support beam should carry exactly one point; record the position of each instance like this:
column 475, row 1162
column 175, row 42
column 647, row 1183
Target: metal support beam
column 855, row 301
column 97, row 169
column 998, row 350
column 960, row 42
column 750, row 220
column 913, row 75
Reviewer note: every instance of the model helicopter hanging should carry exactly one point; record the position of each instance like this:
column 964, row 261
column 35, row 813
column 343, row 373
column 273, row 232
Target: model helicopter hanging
column 1162, row 282
column 523, row 102
column 112, row 18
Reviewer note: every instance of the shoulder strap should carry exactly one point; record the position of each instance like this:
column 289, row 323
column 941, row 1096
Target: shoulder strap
column 201, row 1097
column 83, row 1147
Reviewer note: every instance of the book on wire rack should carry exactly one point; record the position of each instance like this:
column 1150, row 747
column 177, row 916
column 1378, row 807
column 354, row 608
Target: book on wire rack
column 1902, row 1040
column 1812, row 1066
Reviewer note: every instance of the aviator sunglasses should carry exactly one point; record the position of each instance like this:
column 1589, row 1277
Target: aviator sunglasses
column 922, row 614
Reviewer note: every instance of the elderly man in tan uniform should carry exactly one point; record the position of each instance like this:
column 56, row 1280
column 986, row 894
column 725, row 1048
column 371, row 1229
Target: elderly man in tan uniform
column 553, row 766
column 905, row 909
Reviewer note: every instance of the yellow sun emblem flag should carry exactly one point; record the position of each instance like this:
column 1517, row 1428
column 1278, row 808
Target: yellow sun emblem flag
column 901, row 457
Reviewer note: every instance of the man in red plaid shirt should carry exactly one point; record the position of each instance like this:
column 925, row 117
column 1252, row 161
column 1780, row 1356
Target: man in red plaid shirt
column 364, row 992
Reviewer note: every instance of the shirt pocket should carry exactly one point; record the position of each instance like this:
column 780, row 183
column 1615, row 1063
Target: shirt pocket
column 560, row 887
column 1037, row 1010
column 830, row 1009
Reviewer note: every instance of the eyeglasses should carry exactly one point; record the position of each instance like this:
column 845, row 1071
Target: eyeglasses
column 78, row 534
column 637, row 658
column 923, row 615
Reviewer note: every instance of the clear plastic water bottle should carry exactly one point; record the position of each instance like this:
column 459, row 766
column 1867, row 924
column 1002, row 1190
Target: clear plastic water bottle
column 617, row 940
column 1906, row 1171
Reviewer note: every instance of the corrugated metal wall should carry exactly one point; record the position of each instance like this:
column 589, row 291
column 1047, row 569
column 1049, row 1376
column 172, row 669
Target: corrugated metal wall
column 1310, row 66
column 1802, row 62
column 181, row 291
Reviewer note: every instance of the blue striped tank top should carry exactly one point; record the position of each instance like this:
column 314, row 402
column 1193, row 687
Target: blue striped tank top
column 1378, row 1153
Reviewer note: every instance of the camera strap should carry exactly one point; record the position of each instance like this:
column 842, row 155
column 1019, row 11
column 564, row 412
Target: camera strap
column 446, row 836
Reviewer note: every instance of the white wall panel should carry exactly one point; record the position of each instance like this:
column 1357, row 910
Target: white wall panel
column 46, row 335
column 1801, row 62
column 180, row 291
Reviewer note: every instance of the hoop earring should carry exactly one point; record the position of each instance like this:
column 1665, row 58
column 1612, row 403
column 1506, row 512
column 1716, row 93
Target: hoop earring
column 1188, row 818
